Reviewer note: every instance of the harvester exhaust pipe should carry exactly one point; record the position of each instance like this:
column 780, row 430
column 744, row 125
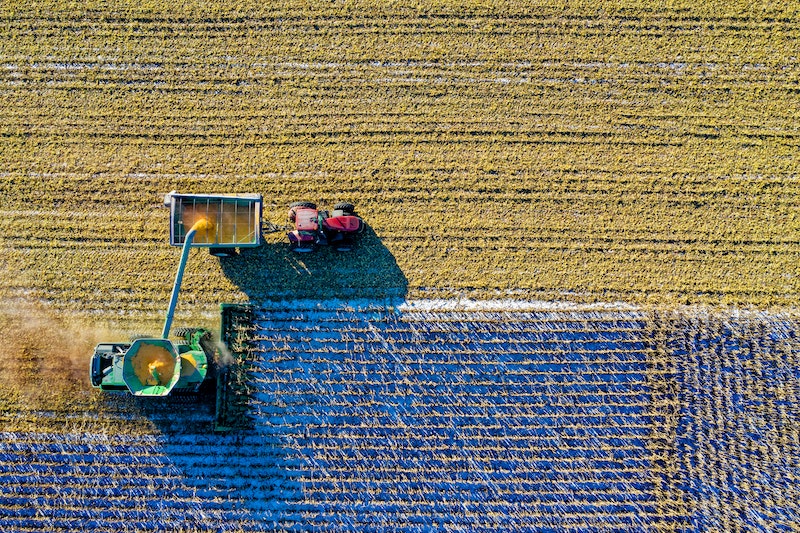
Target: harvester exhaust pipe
column 201, row 225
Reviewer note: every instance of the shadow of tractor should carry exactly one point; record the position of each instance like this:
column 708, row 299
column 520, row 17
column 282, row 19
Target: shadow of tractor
column 275, row 272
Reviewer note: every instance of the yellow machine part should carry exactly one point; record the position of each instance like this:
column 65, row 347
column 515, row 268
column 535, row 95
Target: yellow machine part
column 153, row 365
column 188, row 365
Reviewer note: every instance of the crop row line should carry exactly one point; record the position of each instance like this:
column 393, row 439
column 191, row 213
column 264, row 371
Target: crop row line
column 380, row 314
column 634, row 429
column 560, row 357
column 461, row 425
column 287, row 321
column 462, row 418
column 469, row 344
column 323, row 329
column 501, row 377
column 259, row 122
column 323, row 137
column 356, row 120
column 362, row 355
column 287, row 17
column 277, row 403
column 450, row 179
column 408, row 328
column 19, row 71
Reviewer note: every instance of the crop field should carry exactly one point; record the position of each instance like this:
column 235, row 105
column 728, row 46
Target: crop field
column 574, row 307
column 436, row 416
column 635, row 152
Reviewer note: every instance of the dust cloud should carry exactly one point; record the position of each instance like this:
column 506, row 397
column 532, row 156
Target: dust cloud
column 40, row 351
column 224, row 355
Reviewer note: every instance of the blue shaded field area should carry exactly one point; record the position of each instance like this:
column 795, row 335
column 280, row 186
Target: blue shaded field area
column 738, row 436
column 438, row 418
column 463, row 420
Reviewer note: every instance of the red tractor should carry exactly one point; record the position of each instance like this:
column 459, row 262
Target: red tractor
column 311, row 226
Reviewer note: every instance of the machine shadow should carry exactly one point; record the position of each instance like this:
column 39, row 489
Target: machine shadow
column 275, row 272
column 255, row 472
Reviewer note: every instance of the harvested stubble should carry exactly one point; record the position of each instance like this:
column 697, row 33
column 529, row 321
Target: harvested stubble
column 637, row 152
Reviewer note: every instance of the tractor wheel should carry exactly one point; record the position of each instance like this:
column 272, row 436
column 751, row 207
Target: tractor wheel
column 301, row 248
column 347, row 207
column 293, row 205
column 310, row 205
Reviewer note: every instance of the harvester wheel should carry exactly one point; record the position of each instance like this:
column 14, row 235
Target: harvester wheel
column 184, row 332
column 347, row 207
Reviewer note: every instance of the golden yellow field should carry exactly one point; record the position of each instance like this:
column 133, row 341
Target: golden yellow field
column 644, row 153
column 625, row 152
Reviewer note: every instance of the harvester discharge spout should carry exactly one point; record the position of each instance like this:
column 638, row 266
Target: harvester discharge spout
column 203, row 225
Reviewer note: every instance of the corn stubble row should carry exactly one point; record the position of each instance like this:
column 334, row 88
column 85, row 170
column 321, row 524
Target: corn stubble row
column 553, row 152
